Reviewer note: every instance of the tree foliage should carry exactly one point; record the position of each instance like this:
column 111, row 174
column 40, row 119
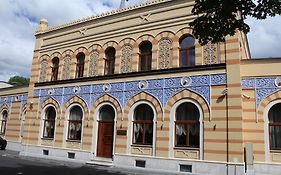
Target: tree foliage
column 219, row 18
column 18, row 81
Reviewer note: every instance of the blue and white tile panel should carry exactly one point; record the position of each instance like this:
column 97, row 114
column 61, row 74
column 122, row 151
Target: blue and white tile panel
column 264, row 87
column 8, row 100
column 162, row 89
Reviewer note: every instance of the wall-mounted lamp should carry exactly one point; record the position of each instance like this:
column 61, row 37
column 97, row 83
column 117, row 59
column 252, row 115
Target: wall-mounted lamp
column 246, row 96
column 31, row 105
column 224, row 92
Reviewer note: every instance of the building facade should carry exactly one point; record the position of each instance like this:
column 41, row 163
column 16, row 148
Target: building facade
column 132, row 87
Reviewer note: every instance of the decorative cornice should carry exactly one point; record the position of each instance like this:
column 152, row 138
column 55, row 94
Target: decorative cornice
column 102, row 15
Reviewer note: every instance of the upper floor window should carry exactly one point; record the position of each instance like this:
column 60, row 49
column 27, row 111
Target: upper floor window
column 3, row 122
column 187, row 126
column 55, row 69
column 80, row 65
column 75, row 123
column 49, row 122
column 274, row 118
column 143, row 125
column 187, row 51
column 109, row 61
column 145, row 59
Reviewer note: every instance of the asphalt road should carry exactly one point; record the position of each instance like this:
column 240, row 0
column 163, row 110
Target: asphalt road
column 13, row 164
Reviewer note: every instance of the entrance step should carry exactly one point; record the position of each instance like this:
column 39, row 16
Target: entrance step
column 100, row 161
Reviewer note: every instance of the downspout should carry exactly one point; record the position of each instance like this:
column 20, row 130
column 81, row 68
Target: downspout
column 227, row 129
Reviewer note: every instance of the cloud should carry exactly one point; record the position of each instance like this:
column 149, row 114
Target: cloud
column 19, row 20
column 264, row 37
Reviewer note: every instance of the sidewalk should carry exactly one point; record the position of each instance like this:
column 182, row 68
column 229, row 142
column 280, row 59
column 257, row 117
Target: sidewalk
column 71, row 164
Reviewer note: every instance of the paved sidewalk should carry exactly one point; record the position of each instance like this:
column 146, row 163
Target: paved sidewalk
column 14, row 160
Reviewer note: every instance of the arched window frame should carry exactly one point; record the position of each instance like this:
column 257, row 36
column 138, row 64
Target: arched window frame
column 187, row 51
column 145, row 56
column 77, row 132
column 187, row 125
column 109, row 61
column 3, row 121
column 49, row 123
column 143, row 123
column 172, row 125
column 273, row 131
column 80, row 65
column 268, row 151
column 55, row 69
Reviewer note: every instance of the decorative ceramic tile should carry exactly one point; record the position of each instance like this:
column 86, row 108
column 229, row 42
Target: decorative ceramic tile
column 262, row 93
column 265, row 82
column 200, row 80
column 248, row 83
column 218, row 79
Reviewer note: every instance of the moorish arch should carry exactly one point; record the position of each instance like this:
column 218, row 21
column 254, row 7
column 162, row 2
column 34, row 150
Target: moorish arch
column 76, row 100
column 108, row 44
column 144, row 97
column 146, row 37
column 67, row 52
column 269, row 112
column 165, row 34
column 4, row 107
column 125, row 41
column 44, row 57
column 108, row 99
column 261, row 109
column 56, row 54
column 50, row 101
column 187, row 94
column 81, row 50
column 183, row 31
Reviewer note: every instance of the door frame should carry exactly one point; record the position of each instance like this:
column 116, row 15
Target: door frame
column 96, row 128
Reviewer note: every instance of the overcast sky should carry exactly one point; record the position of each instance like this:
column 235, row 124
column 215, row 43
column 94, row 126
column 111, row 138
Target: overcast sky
column 19, row 19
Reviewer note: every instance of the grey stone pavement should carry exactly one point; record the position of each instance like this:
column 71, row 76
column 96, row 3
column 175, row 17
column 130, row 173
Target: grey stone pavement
column 11, row 163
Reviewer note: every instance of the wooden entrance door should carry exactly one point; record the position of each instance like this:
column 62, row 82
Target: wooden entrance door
column 105, row 139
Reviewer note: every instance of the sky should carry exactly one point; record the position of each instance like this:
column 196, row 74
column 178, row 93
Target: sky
column 19, row 20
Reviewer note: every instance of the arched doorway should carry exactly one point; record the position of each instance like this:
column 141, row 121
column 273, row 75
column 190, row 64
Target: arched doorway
column 105, row 131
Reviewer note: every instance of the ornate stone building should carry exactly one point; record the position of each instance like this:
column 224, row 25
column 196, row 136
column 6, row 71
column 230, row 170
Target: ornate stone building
column 132, row 87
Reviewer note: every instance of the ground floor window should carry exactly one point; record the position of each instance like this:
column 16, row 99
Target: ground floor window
column 3, row 122
column 143, row 125
column 75, row 123
column 274, row 118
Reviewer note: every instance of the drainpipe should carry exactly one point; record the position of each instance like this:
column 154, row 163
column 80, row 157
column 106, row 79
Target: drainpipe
column 227, row 118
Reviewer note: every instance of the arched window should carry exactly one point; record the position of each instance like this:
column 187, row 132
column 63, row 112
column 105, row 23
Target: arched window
column 55, row 69
column 107, row 113
column 3, row 122
column 49, row 122
column 109, row 61
column 75, row 123
column 145, row 59
column 187, row 126
column 274, row 118
column 80, row 65
column 187, row 51
column 143, row 125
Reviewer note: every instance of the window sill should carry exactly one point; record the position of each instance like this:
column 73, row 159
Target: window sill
column 144, row 146
column 186, row 148
column 75, row 141
column 46, row 138
column 275, row 151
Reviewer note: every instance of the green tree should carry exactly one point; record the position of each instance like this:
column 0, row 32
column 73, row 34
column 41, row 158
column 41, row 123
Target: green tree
column 18, row 81
column 219, row 18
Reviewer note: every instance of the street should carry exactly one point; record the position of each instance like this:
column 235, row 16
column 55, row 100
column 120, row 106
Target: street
column 13, row 164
